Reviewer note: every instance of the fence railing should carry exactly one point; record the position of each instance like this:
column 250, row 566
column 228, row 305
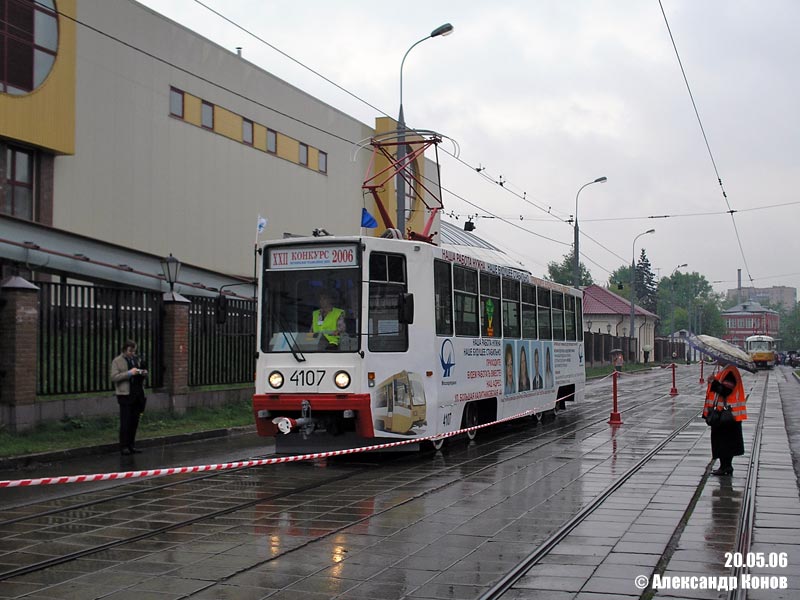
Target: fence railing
column 221, row 354
column 81, row 330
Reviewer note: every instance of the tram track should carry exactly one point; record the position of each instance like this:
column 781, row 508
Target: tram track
column 743, row 534
column 500, row 442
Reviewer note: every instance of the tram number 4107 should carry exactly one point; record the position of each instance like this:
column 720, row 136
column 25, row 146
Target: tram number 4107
column 308, row 377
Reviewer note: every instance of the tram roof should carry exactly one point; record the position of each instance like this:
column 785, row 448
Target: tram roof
column 452, row 237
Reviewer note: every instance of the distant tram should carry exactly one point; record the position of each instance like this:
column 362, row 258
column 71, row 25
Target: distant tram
column 420, row 340
column 761, row 349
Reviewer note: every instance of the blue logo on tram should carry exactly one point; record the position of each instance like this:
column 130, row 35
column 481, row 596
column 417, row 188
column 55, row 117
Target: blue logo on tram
column 447, row 356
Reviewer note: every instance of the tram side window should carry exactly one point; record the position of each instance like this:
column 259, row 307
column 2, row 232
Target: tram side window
column 569, row 317
column 528, row 311
column 557, row 315
column 543, row 302
column 579, row 318
column 443, row 297
column 511, row 326
column 491, row 319
column 387, row 283
column 465, row 296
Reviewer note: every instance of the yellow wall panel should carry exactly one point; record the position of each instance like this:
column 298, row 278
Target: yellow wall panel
column 46, row 116
column 227, row 123
column 288, row 148
column 259, row 137
column 313, row 158
column 191, row 109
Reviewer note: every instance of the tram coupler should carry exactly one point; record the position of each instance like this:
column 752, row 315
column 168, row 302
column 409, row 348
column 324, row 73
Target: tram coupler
column 615, row 418
column 674, row 390
column 287, row 424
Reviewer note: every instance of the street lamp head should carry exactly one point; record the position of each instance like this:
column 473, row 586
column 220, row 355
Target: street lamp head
column 171, row 266
column 602, row 179
column 683, row 265
column 650, row 231
column 445, row 29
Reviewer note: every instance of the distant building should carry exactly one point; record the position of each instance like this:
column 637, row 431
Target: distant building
column 749, row 318
column 774, row 296
column 606, row 312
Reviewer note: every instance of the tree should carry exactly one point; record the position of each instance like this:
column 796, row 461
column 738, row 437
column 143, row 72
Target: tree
column 646, row 287
column 619, row 281
column 687, row 301
column 563, row 272
column 789, row 331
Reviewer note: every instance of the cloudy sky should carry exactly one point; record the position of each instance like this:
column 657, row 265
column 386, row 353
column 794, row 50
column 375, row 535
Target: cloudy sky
column 547, row 95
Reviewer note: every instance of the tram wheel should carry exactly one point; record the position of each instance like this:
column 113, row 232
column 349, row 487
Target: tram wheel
column 471, row 420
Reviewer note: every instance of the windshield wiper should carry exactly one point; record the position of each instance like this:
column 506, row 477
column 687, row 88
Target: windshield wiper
column 296, row 352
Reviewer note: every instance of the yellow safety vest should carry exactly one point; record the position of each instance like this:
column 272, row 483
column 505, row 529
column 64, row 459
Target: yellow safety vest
column 328, row 325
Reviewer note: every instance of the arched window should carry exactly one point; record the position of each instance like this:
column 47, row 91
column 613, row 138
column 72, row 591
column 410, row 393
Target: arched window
column 28, row 44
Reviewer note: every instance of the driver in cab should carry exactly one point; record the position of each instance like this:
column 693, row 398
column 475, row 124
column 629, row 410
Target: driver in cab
column 328, row 321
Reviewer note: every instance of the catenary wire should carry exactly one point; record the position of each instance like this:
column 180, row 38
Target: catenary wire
column 705, row 139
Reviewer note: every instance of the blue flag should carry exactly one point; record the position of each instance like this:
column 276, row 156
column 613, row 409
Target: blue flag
column 367, row 220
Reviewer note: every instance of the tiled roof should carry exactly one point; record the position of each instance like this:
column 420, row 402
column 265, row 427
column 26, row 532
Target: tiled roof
column 600, row 301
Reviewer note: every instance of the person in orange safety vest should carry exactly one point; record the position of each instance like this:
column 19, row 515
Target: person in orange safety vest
column 726, row 437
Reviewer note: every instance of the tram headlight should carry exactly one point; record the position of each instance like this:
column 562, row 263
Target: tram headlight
column 275, row 379
column 341, row 379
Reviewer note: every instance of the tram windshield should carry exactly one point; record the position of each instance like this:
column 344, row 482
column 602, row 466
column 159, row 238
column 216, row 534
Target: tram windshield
column 311, row 310
column 760, row 345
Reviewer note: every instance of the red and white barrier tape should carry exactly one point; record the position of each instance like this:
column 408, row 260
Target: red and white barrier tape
column 8, row 483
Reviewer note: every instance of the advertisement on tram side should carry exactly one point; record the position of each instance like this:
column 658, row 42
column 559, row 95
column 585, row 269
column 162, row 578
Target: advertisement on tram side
column 476, row 368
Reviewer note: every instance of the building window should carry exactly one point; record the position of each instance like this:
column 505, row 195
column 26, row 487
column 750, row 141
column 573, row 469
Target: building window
column 247, row 132
column 303, row 158
column 272, row 141
column 176, row 103
column 28, row 44
column 17, row 200
column 207, row 115
column 323, row 162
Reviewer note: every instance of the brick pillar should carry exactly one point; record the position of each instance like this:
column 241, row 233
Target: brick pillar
column 176, row 349
column 19, row 335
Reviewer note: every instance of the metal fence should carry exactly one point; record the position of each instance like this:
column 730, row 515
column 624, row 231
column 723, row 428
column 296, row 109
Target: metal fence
column 221, row 354
column 81, row 330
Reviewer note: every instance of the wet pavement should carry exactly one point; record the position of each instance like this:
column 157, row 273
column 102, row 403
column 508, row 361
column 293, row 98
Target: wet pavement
column 437, row 526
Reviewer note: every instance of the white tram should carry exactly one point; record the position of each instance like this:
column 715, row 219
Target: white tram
column 426, row 340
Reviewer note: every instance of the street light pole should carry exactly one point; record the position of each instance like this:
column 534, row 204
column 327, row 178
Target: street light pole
column 442, row 30
column 576, row 261
column 633, row 287
column 672, row 301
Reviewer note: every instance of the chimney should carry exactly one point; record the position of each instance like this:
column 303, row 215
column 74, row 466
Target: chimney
column 239, row 52
column 739, row 287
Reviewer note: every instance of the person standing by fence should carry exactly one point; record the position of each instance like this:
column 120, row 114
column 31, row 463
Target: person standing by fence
column 128, row 374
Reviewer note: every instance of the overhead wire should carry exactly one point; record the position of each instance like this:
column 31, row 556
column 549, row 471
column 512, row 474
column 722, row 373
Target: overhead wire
column 705, row 139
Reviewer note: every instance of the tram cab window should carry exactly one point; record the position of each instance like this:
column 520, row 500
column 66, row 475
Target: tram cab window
column 290, row 299
column 511, row 325
column 543, row 302
column 387, row 284
column 491, row 316
column 528, row 311
column 569, row 317
column 443, row 297
column 557, row 315
column 465, row 296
